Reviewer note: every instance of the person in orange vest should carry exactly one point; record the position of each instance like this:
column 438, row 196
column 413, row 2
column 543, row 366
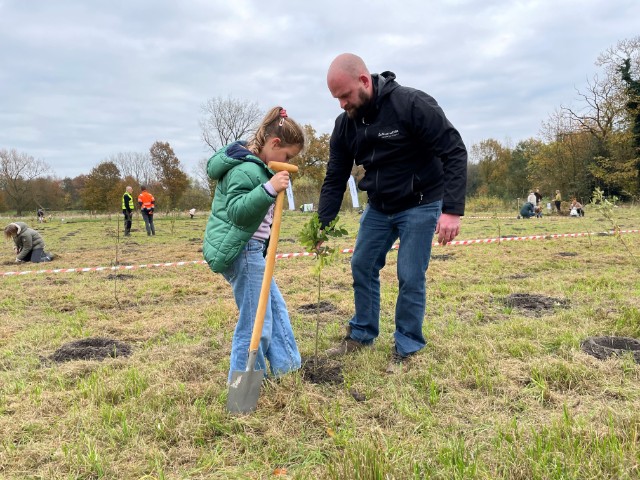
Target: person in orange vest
column 147, row 204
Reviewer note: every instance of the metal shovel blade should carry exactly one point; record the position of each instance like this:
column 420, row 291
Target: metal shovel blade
column 244, row 391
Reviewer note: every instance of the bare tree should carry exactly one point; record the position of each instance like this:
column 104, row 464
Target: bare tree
column 203, row 177
column 16, row 171
column 135, row 165
column 228, row 120
column 603, row 108
column 614, row 57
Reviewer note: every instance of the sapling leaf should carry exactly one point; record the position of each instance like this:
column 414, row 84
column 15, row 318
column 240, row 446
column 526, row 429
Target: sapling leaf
column 313, row 237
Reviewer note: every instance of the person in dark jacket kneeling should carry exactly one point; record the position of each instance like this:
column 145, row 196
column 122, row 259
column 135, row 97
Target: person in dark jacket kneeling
column 28, row 243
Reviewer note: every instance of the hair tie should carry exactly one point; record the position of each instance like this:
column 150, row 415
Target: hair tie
column 283, row 115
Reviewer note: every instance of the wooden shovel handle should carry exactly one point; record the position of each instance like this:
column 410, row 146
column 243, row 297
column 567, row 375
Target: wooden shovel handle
column 270, row 260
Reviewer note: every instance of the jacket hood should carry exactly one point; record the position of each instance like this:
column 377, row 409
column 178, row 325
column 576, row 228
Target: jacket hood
column 383, row 84
column 21, row 227
column 228, row 157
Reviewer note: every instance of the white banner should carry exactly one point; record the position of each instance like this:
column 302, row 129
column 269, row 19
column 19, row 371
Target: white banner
column 354, row 191
column 290, row 197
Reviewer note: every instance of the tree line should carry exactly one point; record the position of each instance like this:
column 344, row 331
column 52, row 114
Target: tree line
column 593, row 144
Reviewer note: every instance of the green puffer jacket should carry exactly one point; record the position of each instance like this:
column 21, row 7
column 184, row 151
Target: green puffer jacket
column 26, row 240
column 239, row 206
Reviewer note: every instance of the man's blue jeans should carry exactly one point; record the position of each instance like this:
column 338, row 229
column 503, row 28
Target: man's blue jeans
column 277, row 343
column 415, row 228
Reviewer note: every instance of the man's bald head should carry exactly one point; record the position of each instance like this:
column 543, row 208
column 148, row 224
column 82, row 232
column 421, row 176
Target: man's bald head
column 349, row 81
column 347, row 64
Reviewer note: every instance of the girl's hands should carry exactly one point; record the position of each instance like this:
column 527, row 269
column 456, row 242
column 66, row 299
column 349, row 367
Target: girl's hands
column 280, row 181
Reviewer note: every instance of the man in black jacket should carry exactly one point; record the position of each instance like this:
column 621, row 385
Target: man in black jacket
column 415, row 176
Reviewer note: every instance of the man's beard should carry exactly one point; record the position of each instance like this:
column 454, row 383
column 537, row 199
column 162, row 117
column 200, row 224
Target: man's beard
column 359, row 111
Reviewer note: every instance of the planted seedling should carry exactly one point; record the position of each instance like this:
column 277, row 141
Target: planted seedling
column 313, row 239
column 606, row 208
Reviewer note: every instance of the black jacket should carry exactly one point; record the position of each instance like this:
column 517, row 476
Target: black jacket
column 411, row 153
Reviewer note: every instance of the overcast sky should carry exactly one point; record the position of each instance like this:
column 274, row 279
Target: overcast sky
column 83, row 80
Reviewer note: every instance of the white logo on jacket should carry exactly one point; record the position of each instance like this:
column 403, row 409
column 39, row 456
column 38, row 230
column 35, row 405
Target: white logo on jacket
column 392, row 133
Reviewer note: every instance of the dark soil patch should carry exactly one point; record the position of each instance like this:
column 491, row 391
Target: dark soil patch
column 120, row 276
column 567, row 254
column 357, row 396
column 59, row 281
column 518, row 276
column 321, row 307
column 287, row 240
column 443, row 257
column 97, row 348
column 322, row 370
column 534, row 303
column 195, row 239
column 71, row 234
column 605, row 347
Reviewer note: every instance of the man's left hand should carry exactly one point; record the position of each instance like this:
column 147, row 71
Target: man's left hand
column 447, row 228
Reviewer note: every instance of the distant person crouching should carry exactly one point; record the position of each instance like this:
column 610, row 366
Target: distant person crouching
column 527, row 210
column 29, row 245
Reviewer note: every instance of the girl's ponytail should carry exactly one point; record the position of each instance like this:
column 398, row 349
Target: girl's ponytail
column 277, row 124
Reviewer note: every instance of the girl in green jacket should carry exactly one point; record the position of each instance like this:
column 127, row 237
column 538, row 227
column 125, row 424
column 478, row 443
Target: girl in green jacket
column 237, row 232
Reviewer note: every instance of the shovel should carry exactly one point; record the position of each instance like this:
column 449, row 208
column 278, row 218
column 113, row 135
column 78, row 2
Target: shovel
column 244, row 388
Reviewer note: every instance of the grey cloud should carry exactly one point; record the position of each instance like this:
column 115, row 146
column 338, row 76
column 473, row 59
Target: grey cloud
column 82, row 81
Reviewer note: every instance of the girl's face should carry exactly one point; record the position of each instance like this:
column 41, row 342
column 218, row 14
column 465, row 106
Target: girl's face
column 273, row 151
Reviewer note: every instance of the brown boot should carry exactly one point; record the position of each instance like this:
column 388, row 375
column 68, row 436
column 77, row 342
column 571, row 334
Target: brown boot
column 397, row 362
column 347, row 345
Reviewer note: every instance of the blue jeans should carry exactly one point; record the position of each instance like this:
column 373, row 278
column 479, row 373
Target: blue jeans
column 415, row 228
column 148, row 221
column 277, row 344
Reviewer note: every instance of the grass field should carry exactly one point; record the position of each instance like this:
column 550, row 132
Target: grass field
column 500, row 391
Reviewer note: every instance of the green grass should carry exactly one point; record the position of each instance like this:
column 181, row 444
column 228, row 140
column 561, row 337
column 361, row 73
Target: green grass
column 499, row 392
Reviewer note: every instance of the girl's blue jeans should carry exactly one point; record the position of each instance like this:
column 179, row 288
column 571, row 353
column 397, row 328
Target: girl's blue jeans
column 415, row 228
column 277, row 343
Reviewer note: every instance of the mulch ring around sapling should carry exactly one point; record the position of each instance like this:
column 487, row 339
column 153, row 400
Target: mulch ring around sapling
column 97, row 348
column 320, row 307
column 518, row 276
column 533, row 303
column 605, row 347
column 443, row 257
column 120, row 276
column 322, row 370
